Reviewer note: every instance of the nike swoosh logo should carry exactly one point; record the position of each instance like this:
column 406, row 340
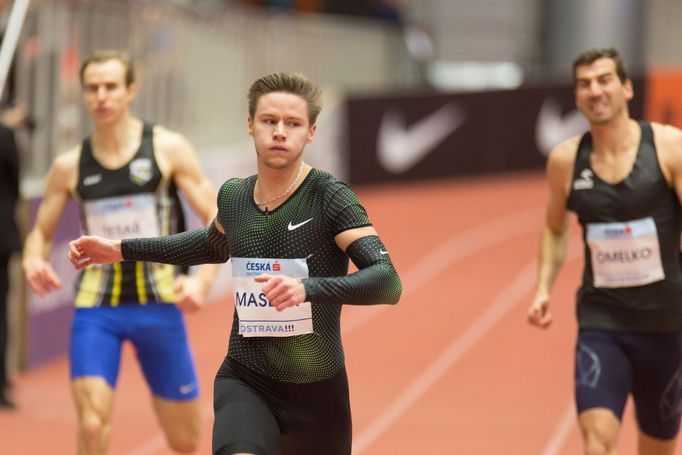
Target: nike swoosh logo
column 400, row 147
column 187, row 388
column 292, row 226
column 383, row 252
column 552, row 128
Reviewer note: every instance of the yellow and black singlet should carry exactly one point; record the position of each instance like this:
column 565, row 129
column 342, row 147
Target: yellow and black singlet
column 134, row 200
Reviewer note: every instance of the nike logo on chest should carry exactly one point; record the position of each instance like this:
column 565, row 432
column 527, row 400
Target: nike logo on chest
column 293, row 226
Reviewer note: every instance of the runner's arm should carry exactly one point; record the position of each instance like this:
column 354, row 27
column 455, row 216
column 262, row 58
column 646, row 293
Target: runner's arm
column 375, row 282
column 190, row 290
column 669, row 148
column 201, row 246
column 39, row 273
column 555, row 234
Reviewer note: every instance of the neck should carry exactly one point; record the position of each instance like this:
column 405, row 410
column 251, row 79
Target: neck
column 278, row 178
column 612, row 137
column 117, row 137
column 274, row 185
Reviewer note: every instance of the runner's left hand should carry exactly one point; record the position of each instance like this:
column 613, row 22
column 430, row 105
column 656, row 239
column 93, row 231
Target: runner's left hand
column 282, row 291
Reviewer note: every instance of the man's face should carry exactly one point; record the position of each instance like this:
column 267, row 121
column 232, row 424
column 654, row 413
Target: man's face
column 105, row 92
column 280, row 128
column 599, row 94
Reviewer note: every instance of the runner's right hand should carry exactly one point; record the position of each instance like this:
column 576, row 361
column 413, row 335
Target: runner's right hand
column 40, row 275
column 538, row 313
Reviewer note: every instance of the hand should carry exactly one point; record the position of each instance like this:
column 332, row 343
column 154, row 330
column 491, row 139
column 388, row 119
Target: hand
column 15, row 116
column 538, row 313
column 40, row 275
column 190, row 293
column 90, row 249
column 282, row 291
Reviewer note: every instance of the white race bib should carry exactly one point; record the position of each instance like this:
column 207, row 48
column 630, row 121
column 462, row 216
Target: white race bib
column 256, row 317
column 122, row 217
column 625, row 254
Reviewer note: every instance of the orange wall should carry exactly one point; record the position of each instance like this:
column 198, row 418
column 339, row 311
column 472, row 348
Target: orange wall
column 663, row 101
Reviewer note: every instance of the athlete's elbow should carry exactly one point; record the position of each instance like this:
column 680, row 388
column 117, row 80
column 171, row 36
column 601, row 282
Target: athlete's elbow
column 220, row 257
column 395, row 290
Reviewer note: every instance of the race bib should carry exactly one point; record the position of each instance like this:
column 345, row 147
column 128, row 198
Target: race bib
column 256, row 317
column 625, row 254
column 122, row 217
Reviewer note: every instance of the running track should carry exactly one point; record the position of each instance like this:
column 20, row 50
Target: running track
column 452, row 369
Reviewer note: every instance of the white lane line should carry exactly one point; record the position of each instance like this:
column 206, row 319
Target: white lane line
column 504, row 302
column 458, row 247
column 568, row 418
column 561, row 432
column 464, row 244
column 519, row 288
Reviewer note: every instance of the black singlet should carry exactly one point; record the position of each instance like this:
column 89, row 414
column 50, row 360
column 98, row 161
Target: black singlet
column 644, row 193
column 127, row 282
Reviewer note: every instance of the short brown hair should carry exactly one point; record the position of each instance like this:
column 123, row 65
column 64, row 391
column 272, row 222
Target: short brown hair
column 295, row 83
column 590, row 56
column 104, row 55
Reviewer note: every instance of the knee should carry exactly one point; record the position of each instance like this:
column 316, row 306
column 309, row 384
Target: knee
column 599, row 441
column 92, row 426
column 184, row 441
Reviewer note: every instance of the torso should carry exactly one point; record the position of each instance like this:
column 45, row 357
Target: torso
column 631, row 227
column 130, row 200
column 303, row 226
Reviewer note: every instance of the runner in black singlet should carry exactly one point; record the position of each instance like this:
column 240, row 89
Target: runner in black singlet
column 123, row 202
column 623, row 179
column 125, row 177
column 290, row 231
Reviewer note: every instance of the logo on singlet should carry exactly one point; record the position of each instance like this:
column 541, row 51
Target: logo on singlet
column 92, row 179
column 141, row 170
column 584, row 182
column 293, row 226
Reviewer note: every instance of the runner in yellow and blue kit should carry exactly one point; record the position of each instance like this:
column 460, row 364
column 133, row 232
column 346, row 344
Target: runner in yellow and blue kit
column 125, row 177
column 131, row 298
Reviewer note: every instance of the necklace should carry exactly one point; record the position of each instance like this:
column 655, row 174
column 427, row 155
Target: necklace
column 287, row 191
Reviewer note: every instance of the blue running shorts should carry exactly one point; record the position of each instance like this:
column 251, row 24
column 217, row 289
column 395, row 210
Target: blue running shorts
column 156, row 331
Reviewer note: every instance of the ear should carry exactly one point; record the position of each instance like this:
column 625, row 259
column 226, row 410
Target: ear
column 249, row 126
column 311, row 133
column 629, row 90
column 132, row 91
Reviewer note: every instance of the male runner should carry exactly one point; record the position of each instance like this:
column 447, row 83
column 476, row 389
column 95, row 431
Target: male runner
column 125, row 178
column 290, row 231
column 623, row 179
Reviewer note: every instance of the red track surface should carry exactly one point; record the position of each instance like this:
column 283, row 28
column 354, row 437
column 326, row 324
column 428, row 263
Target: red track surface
column 452, row 369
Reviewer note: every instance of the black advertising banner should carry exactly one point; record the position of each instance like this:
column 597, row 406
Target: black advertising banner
column 404, row 138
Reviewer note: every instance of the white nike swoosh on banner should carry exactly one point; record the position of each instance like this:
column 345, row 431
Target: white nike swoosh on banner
column 400, row 147
column 292, row 226
column 551, row 128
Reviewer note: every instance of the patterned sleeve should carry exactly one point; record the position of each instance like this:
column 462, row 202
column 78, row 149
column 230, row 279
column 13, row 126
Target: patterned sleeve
column 201, row 246
column 375, row 282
